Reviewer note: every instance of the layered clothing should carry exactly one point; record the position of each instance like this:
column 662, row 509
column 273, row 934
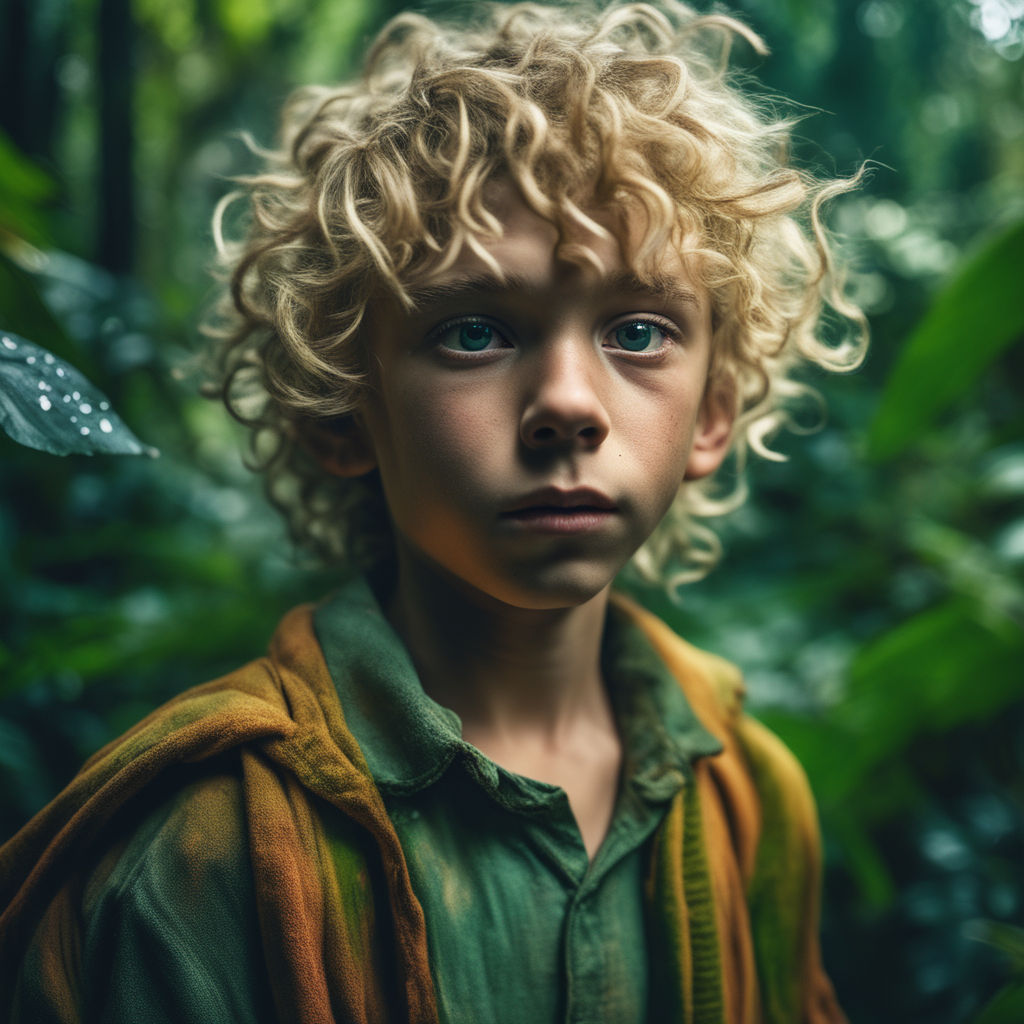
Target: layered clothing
column 235, row 857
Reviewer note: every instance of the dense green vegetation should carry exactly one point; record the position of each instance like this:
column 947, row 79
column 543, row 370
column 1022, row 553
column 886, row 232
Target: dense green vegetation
column 872, row 588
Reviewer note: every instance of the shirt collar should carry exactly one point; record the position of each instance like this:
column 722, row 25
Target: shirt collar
column 409, row 739
column 661, row 733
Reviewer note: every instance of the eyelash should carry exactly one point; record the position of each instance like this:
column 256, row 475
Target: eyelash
column 668, row 329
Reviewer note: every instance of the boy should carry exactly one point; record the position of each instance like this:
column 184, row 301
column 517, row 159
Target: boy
column 503, row 305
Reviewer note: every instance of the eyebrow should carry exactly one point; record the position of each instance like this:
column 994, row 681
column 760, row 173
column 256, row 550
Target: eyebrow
column 664, row 286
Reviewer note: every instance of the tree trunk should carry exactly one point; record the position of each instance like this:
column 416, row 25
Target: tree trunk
column 115, row 235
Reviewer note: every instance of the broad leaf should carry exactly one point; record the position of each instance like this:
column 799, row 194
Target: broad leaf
column 45, row 403
column 940, row 668
column 973, row 319
column 1006, row 1008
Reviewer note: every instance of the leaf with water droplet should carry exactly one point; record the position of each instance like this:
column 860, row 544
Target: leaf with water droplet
column 45, row 403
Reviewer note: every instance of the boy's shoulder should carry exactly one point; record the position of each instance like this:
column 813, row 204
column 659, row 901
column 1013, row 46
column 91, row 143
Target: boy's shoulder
column 212, row 809
column 279, row 707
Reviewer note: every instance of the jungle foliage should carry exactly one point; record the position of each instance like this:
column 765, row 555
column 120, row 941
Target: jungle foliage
column 872, row 588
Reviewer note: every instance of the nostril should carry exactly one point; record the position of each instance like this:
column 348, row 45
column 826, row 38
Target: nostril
column 546, row 435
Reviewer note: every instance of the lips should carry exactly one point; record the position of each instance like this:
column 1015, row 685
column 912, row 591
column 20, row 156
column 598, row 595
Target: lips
column 550, row 510
column 555, row 500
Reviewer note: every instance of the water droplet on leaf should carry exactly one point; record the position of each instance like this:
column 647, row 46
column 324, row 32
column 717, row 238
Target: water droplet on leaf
column 28, row 395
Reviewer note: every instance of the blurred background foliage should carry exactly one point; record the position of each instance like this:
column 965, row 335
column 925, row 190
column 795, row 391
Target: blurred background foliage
column 872, row 587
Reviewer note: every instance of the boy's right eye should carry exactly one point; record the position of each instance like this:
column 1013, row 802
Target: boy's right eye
column 470, row 335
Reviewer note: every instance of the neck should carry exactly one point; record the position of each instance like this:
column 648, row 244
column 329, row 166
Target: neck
column 505, row 671
column 526, row 684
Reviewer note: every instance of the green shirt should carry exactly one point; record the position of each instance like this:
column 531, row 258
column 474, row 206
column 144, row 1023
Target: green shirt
column 521, row 926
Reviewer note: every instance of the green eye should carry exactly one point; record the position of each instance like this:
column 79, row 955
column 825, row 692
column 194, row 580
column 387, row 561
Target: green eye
column 475, row 337
column 469, row 336
column 638, row 336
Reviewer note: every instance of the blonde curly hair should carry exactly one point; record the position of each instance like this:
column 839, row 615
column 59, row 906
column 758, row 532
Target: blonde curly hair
column 380, row 183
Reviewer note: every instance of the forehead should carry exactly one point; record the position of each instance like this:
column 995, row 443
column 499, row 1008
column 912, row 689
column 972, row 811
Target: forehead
column 591, row 249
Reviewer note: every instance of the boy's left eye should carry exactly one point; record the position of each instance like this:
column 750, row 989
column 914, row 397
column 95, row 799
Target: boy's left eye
column 638, row 336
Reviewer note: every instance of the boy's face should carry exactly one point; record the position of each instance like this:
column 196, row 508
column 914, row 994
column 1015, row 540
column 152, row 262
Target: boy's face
column 530, row 435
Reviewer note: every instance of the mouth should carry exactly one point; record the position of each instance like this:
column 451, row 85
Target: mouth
column 552, row 510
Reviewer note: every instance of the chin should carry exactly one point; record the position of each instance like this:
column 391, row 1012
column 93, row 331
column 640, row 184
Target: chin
column 554, row 587
column 531, row 584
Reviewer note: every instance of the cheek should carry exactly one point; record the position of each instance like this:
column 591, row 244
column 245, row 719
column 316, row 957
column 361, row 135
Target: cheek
column 445, row 439
column 461, row 434
column 661, row 430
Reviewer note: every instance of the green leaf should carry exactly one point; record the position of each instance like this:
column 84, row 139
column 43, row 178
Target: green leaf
column 944, row 666
column 1006, row 1008
column 1007, row 938
column 45, row 403
column 976, row 316
column 864, row 860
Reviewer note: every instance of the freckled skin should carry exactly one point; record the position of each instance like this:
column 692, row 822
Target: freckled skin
column 553, row 401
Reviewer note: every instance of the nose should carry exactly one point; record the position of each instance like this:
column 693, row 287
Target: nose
column 564, row 407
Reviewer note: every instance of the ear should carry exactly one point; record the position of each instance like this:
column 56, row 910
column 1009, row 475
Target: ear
column 713, row 435
column 342, row 446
